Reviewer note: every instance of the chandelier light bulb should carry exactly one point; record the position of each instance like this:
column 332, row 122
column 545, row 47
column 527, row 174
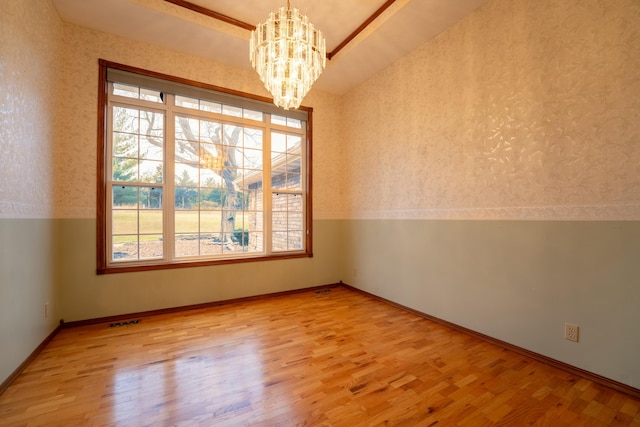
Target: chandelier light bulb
column 289, row 55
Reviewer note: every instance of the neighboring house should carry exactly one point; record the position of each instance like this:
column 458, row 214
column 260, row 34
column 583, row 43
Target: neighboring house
column 285, row 176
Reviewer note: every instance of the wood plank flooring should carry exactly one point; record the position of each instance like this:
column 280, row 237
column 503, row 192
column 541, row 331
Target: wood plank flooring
column 337, row 358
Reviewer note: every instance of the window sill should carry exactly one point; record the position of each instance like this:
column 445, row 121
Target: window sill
column 129, row 268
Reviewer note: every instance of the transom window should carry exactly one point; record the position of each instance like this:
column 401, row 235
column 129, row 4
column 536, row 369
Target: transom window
column 194, row 175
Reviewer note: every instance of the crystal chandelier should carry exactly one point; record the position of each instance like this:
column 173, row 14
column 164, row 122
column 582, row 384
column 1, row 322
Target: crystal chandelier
column 289, row 54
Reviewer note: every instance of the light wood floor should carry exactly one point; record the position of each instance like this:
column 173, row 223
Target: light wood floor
column 338, row 358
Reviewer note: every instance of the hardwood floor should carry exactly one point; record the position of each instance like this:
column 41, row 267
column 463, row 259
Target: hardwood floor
column 336, row 358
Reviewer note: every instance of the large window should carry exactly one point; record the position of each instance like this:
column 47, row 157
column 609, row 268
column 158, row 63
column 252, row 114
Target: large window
column 190, row 174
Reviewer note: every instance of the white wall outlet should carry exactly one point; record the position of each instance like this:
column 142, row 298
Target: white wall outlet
column 571, row 332
column 46, row 310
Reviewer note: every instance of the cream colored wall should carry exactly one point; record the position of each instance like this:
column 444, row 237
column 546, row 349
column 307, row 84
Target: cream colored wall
column 31, row 36
column 86, row 295
column 523, row 111
column 30, row 44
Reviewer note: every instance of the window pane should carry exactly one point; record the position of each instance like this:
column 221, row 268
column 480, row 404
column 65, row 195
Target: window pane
column 279, row 221
column 187, row 222
column 125, row 248
column 150, row 221
column 186, row 151
column 288, row 222
column 209, row 178
column 279, row 202
column 150, row 171
column 294, row 123
column 151, row 148
column 187, row 129
column 233, row 243
column 253, row 138
column 294, row 203
column 151, row 197
column 210, row 132
column 151, row 246
column 150, row 95
column 125, row 90
column 243, row 200
column 233, row 157
column 294, row 241
column 186, row 198
column 294, row 181
column 256, row 242
column 231, row 135
column 279, row 177
column 184, row 101
column 211, row 198
column 126, row 120
column 124, row 197
column 229, row 110
column 124, row 169
column 252, row 159
column 212, row 107
column 252, row 115
column 152, row 125
column 210, row 245
column 278, row 120
column 294, row 221
column 187, row 175
column 187, row 245
column 212, row 156
column 255, row 221
column 125, row 145
column 294, row 144
column 210, row 221
column 278, row 142
column 279, row 241
column 124, row 221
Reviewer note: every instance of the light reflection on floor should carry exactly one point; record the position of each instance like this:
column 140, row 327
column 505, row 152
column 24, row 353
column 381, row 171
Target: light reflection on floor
column 184, row 382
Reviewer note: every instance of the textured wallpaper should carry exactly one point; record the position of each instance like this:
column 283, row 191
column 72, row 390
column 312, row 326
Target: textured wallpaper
column 30, row 43
column 76, row 140
column 523, row 110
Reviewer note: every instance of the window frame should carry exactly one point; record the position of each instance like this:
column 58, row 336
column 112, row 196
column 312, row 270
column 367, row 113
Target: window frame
column 103, row 182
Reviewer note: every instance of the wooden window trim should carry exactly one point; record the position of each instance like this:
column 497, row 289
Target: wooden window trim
column 101, row 188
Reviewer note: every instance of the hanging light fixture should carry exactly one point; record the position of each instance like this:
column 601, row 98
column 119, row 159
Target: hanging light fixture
column 289, row 54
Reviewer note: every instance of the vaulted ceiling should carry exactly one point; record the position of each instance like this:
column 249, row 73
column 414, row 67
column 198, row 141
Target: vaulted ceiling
column 376, row 32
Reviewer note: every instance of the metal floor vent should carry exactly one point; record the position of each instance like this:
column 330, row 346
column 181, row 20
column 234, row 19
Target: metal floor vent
column 323, row 291
column 126, row 323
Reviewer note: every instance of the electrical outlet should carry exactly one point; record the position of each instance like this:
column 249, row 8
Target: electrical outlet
column 46, row 310
column 571, row 332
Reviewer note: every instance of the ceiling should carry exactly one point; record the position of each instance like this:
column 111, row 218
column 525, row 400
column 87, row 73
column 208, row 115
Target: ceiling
column 403, row 26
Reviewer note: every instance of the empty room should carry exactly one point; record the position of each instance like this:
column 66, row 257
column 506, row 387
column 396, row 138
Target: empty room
column 336, row 213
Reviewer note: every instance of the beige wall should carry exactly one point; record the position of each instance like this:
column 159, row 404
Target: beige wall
column 30, row 52
column 30, row 45
column 523, row 111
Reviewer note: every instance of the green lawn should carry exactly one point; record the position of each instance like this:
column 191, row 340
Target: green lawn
column 125, row 223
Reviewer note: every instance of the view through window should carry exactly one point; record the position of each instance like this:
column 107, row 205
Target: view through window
column 195, row 175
